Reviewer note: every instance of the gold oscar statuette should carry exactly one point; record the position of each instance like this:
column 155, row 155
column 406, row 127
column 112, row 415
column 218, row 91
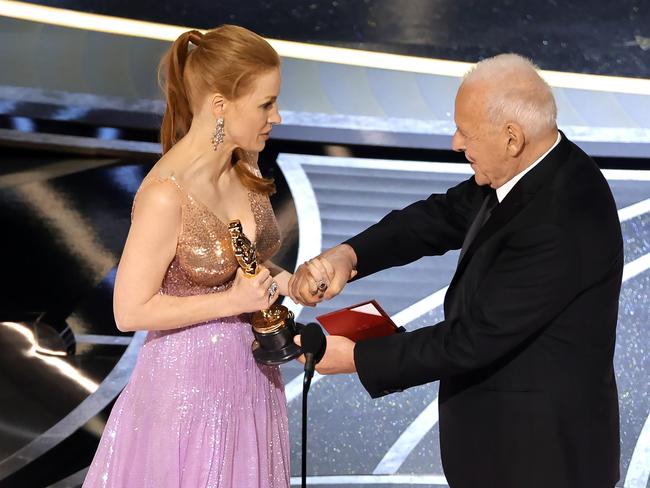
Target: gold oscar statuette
column 273, row 328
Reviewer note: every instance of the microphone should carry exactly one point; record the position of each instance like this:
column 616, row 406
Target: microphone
column 313, row 343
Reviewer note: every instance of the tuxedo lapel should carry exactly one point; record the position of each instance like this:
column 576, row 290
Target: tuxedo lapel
column 517, row 198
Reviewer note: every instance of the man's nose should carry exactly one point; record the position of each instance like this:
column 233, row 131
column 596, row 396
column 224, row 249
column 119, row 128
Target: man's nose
column 458, row 142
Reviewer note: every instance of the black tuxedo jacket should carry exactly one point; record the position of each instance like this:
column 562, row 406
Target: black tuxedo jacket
column 524, row 356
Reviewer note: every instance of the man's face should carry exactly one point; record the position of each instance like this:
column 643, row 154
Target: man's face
column 484, row 145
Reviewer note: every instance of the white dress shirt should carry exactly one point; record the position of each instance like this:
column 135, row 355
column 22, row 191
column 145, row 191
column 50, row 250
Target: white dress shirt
column 504, row 189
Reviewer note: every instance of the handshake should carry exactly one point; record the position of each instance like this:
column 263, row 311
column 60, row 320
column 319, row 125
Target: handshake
column 324, row 276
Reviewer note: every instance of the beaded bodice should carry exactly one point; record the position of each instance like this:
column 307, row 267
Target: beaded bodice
column 204, row 261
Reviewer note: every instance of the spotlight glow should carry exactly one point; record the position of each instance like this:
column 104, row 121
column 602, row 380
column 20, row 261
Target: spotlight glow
column 45, row 355
column 312, row 52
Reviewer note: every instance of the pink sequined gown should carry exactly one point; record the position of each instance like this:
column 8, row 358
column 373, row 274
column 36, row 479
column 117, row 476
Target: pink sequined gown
column 198, row 410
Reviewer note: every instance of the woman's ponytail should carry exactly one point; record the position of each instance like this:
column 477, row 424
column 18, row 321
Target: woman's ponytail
column 178, row 113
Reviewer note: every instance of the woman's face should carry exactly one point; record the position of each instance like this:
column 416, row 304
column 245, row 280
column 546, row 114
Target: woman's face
column 249, row 119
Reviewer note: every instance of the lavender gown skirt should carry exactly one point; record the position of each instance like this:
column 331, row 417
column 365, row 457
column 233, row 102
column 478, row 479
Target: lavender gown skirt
column 198, row 412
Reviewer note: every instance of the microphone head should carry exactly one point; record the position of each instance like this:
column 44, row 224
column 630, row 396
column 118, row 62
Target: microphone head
column 312, row 340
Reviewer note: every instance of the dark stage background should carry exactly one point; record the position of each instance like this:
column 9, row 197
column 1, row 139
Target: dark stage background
column 79, row 114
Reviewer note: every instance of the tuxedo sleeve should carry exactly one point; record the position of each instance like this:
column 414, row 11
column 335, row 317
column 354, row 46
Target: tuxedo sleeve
column 426, row 228
column 530, row 283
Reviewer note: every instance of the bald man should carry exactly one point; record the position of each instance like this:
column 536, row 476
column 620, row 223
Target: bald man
column 524, row 356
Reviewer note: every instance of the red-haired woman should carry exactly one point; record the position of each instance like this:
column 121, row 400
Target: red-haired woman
column 198, row 410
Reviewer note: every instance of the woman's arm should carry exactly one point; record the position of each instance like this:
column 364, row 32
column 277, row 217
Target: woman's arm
column 150, row 247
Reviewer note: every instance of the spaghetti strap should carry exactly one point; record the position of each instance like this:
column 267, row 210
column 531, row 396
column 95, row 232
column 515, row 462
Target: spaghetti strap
column 156, row 179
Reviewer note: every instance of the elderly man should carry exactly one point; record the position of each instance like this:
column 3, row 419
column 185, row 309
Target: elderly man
column 525, row 354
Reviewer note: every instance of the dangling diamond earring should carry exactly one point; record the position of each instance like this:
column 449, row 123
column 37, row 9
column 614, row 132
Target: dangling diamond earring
column 217, row 137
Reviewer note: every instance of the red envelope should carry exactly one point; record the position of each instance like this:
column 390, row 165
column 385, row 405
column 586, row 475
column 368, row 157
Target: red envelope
column 361, row 321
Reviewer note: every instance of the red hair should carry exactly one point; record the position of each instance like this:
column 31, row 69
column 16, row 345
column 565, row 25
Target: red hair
column 227, row 60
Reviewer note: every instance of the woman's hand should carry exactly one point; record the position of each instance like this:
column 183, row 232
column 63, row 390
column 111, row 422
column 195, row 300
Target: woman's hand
column 324, row 276
column 255, row 293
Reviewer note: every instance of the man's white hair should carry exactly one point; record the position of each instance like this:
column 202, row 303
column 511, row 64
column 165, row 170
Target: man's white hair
column 515, row 93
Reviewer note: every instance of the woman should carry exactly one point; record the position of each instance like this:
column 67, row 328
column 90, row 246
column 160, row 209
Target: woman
column 198, row 410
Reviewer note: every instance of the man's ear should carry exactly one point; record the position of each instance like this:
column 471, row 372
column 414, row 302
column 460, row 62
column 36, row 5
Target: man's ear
column 516, row 139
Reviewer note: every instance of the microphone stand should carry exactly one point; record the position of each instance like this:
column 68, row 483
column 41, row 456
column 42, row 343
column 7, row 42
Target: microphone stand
column 313, row 347
column 306, row 383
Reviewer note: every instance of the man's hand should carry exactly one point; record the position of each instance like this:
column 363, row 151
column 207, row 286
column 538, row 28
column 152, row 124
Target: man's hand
column 338, row 358
column 324, row 276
